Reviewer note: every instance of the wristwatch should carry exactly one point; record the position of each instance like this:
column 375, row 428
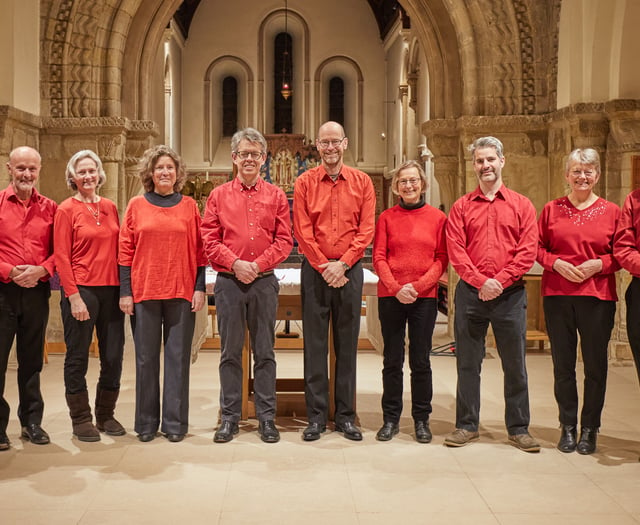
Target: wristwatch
column 346, row 266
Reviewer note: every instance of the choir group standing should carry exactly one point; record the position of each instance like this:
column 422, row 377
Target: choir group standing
column 152, row 268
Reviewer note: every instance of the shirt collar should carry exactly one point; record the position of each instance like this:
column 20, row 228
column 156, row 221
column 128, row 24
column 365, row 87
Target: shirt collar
column 243, row 187
column 12, row 194
column 478, row 195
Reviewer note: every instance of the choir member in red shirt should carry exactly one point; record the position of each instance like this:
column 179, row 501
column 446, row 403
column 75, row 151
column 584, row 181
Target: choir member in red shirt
column 162, row 268
column 26, row 264
column 409, row 256
column 626, row 250
column 334, row 220
column 85, row 234
column 491, row 240
column 579, row 295
column 247, row 233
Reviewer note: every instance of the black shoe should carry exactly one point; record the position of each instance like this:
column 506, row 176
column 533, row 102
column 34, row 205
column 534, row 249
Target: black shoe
column 268, row 431
column 350, row 431
column 225, row 432
column 175, row 438
column 568, row 438
column 34, row 433
column 587, row 443
column 145, row 438
column 4, row 441
column 387, row 431
column 423, row 432
column 313, row 431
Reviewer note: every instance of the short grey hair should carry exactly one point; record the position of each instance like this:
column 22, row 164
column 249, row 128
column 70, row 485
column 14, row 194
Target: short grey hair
column 588, row 156
column 251, row 135
column 73, row 162
column 487, row 142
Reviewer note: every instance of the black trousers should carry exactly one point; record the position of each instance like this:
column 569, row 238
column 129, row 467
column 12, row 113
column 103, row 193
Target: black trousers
column 24, row 314
column 632, row 298
column 508, row 317
column 421, row 318
column 170, row 321
column 343, row 305
column 107, row 318
column 566, row 317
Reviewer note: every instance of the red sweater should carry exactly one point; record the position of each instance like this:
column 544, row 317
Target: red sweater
column 86, row 253
column 576, row 236
column 626, row 247
column 163, row 248
column 410, row 247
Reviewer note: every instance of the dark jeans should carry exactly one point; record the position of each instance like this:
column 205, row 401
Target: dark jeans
column 632, row 298
column 421, row 318
column 508, row 317
column 24, row 313
column 343, row 305
column 592, row 318
column 251, row 306
column 107, row 318
column 170, row 321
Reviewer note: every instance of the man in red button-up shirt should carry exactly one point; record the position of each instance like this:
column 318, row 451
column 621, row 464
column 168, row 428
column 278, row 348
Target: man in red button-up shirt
column 247, row 233
column 26, row 263
column 492, row 241
column 333, row 219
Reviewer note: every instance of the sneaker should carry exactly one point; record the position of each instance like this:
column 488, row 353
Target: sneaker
column 525, row 442
column 461, row 437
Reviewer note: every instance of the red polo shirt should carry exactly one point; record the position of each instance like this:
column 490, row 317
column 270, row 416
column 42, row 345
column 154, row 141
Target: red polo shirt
column 26, row 232
column 492, row 239
column 333, row 219
column 248, row 223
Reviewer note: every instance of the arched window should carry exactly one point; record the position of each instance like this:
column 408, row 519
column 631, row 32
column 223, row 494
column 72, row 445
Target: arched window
column 336, row 100
column 229, row 106
column 282, row 74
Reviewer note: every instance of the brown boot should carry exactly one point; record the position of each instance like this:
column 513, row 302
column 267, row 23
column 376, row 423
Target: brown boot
column 105, row 405
column 81, row 419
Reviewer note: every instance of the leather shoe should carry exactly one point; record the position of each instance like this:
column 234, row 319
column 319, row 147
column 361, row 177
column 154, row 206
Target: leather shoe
column 350, row 431
column 568, row 438
column 313, row 431
column 268, row 431
column 34, row 433
column 225, row 432
column 587, row 443
column 175, row 438
column 423, row 432
column 4, row 441
column 145, row 438
column 387, row 431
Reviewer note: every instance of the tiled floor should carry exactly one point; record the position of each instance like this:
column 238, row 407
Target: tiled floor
column 120, row 480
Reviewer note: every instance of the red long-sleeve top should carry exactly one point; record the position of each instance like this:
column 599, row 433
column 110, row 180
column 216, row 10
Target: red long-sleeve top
column 86, row 253
column 26, row 232
column 410, row 247
column 163, row 247
column 626, row 244
column 492, row 239
column 576, row 236
column 248, row 223
column 333, row 219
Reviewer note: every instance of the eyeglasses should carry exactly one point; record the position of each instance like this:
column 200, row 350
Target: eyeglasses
column 253, row 155
column 586, row 173
column 334, row 143
column 25, row 169
column 407, row 182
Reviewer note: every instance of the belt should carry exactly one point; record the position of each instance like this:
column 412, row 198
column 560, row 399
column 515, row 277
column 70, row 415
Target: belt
column 260, row 274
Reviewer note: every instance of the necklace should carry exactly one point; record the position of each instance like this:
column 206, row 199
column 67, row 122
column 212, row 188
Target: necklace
column 95, row 213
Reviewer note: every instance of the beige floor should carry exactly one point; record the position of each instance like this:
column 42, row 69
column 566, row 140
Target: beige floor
column 120, row 480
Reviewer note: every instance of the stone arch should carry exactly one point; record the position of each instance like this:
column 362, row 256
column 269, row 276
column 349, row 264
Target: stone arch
column 350, row 72
column 217, row 70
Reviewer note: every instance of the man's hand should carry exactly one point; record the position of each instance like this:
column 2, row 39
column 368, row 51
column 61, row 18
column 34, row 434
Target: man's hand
column 27, row 275
column 197, row 302
column 572, row 273
column 333, row 274
column 490, row 290
column 79, row 309
column 246, row 272
column 407, row 294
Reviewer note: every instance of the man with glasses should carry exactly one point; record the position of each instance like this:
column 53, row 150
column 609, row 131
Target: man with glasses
column 333, row 217
column 26, row 264
column 492, row 240
column 247, row 232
